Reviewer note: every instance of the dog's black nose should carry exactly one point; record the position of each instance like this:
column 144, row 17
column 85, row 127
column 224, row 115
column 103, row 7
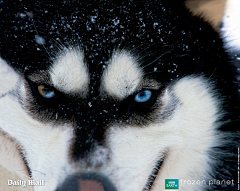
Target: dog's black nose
column 87, row 182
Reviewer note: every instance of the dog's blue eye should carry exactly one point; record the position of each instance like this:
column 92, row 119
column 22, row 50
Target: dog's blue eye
column 46, row 92
column 143, row 96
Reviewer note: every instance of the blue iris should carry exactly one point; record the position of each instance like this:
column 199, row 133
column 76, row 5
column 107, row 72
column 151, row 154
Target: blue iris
column 49, row 94
column 46, row 92
column 143, row 96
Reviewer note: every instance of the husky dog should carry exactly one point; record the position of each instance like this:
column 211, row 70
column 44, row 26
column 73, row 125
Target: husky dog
column 119, row 95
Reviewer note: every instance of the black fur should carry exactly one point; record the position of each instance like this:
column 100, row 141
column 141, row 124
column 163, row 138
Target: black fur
column 162, row 32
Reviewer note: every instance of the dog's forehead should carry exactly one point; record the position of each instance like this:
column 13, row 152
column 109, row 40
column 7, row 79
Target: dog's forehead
column 97, row 27
column 120, row 77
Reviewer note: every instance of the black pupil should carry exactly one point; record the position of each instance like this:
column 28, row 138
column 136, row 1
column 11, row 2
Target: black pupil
column 142, row 94
column 46, row 90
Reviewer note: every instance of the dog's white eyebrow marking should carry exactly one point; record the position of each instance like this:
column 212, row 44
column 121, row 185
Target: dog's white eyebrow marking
column 69, row 73
column 122, row 76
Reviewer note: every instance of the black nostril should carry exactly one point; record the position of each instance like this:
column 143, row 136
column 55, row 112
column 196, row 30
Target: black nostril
column 87, row 182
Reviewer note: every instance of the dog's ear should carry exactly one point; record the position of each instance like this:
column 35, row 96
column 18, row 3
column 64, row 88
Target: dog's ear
column 210, row 10
column 224, row 16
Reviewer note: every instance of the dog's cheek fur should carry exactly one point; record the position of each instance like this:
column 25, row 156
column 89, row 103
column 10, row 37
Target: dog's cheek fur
column 194, row 119
column 8, row 78
column 43, row 147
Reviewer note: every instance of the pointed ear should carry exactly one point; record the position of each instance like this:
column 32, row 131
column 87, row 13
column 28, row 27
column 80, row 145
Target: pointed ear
column 231, row 25
column 209, row 10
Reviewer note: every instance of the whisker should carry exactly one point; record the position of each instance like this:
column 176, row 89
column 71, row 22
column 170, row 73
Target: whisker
column 146, row 74
column 59, row 44
column 22, row 174
column 157, row 58
column 43, row 43
column 149, row 65
column 212, row 73
column 39, row 172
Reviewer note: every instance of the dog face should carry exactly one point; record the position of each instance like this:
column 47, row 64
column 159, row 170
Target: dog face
column 118, row 95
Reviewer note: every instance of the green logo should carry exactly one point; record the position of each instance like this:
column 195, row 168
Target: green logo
column 171, row 184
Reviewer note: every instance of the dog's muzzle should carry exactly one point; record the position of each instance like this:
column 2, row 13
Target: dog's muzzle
column 87, row 182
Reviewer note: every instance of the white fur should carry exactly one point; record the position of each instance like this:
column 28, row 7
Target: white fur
column 122, row 75
column 8, row 78
column 10, row 157
column 69, row 73
column 231, row 25
column 187, row 137
column 45, row 146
